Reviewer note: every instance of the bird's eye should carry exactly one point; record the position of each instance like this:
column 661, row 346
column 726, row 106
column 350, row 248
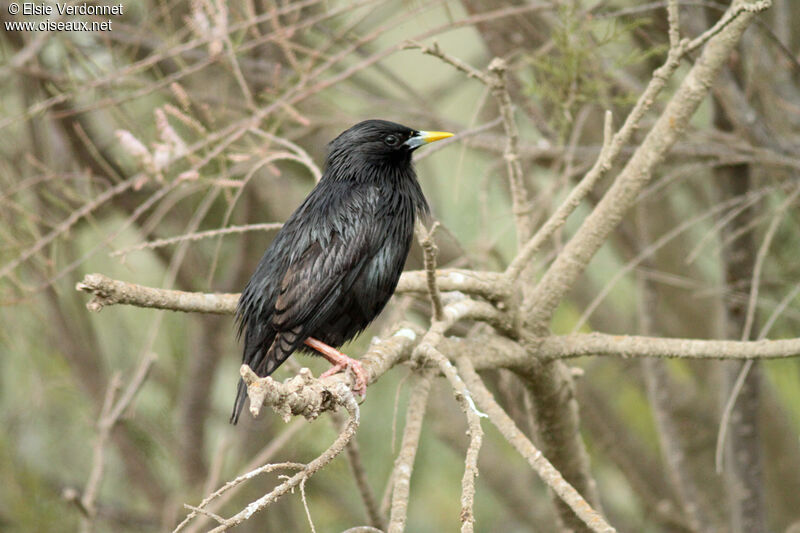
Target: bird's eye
column 391, row 140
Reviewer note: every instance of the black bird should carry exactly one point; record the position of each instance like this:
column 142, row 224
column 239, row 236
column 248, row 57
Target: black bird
column 337, row 259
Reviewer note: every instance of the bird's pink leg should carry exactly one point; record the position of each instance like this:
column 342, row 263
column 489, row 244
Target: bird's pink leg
column 340, row 361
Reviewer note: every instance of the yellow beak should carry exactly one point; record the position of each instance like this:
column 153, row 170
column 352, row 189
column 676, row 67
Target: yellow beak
column 432, row 136
column 425, row 137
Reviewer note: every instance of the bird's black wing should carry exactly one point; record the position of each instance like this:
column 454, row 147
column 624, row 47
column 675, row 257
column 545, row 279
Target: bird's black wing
column 314, row 283
column 337, row 248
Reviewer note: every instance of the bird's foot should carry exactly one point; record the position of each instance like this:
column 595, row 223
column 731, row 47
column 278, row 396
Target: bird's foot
column 360, row 386
column 340, row 362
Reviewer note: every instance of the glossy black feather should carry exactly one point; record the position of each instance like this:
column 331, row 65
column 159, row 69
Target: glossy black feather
column 337, row 259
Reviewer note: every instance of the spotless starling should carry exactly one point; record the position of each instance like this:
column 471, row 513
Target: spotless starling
column 337, row 259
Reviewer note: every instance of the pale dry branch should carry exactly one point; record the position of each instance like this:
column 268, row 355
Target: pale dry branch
column 520, row 202
column 109, row 417
column 495, row 80
column 673, row 19
column 109, row 292
column 106, row 291
column 740, row 8
column 87, row 502
column 224, row 493
column 158, row 243
column 547, row 472
column 551, row 384
column 404, row 464
column 490, row 285
column 576, row 195
column 429, row 248
column 301, row 395
column 349, row 403
column 305, row 503
column 611, row 149
column 633, row 346
column 371, row 506
column 198, row 510
column 428, row 351
column 475, row 433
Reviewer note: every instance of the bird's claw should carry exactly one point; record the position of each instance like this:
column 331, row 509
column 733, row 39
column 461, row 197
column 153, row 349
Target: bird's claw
column 360, row 386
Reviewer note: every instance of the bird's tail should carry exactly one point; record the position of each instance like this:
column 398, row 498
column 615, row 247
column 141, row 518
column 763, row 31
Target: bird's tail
column 238, row 405
column 264, row 361
column 257, row 344
column 254, row 355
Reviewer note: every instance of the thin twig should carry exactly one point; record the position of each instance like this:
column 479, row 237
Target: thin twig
column 547, row 472
column 305, row 504
column 158, row 243
column 70, row 221
column 495, row 79
column 87, row 502
column 219, row 498
column 110, row 415
column 374, row 514
column 349, row 403
column 673, row 19
column 734, row 204
column 520, row 202
column 748, row 325
column 360, row 476
column 427, row 350
column 201, row 507
column 576, row 195
column 429, row 249
column 727, row 18
column 436, row 51
column 199, row 510
column 761, row 257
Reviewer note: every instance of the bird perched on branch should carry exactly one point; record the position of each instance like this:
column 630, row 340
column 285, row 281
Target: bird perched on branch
column 337, row 259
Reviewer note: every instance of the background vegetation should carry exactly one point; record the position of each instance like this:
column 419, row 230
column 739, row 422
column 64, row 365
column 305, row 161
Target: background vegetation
column 122, row 149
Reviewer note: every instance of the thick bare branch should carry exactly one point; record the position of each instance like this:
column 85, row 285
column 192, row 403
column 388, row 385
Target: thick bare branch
column 107, row 291
column 504, row 353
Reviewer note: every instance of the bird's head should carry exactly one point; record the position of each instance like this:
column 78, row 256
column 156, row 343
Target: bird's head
column 378, row 144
